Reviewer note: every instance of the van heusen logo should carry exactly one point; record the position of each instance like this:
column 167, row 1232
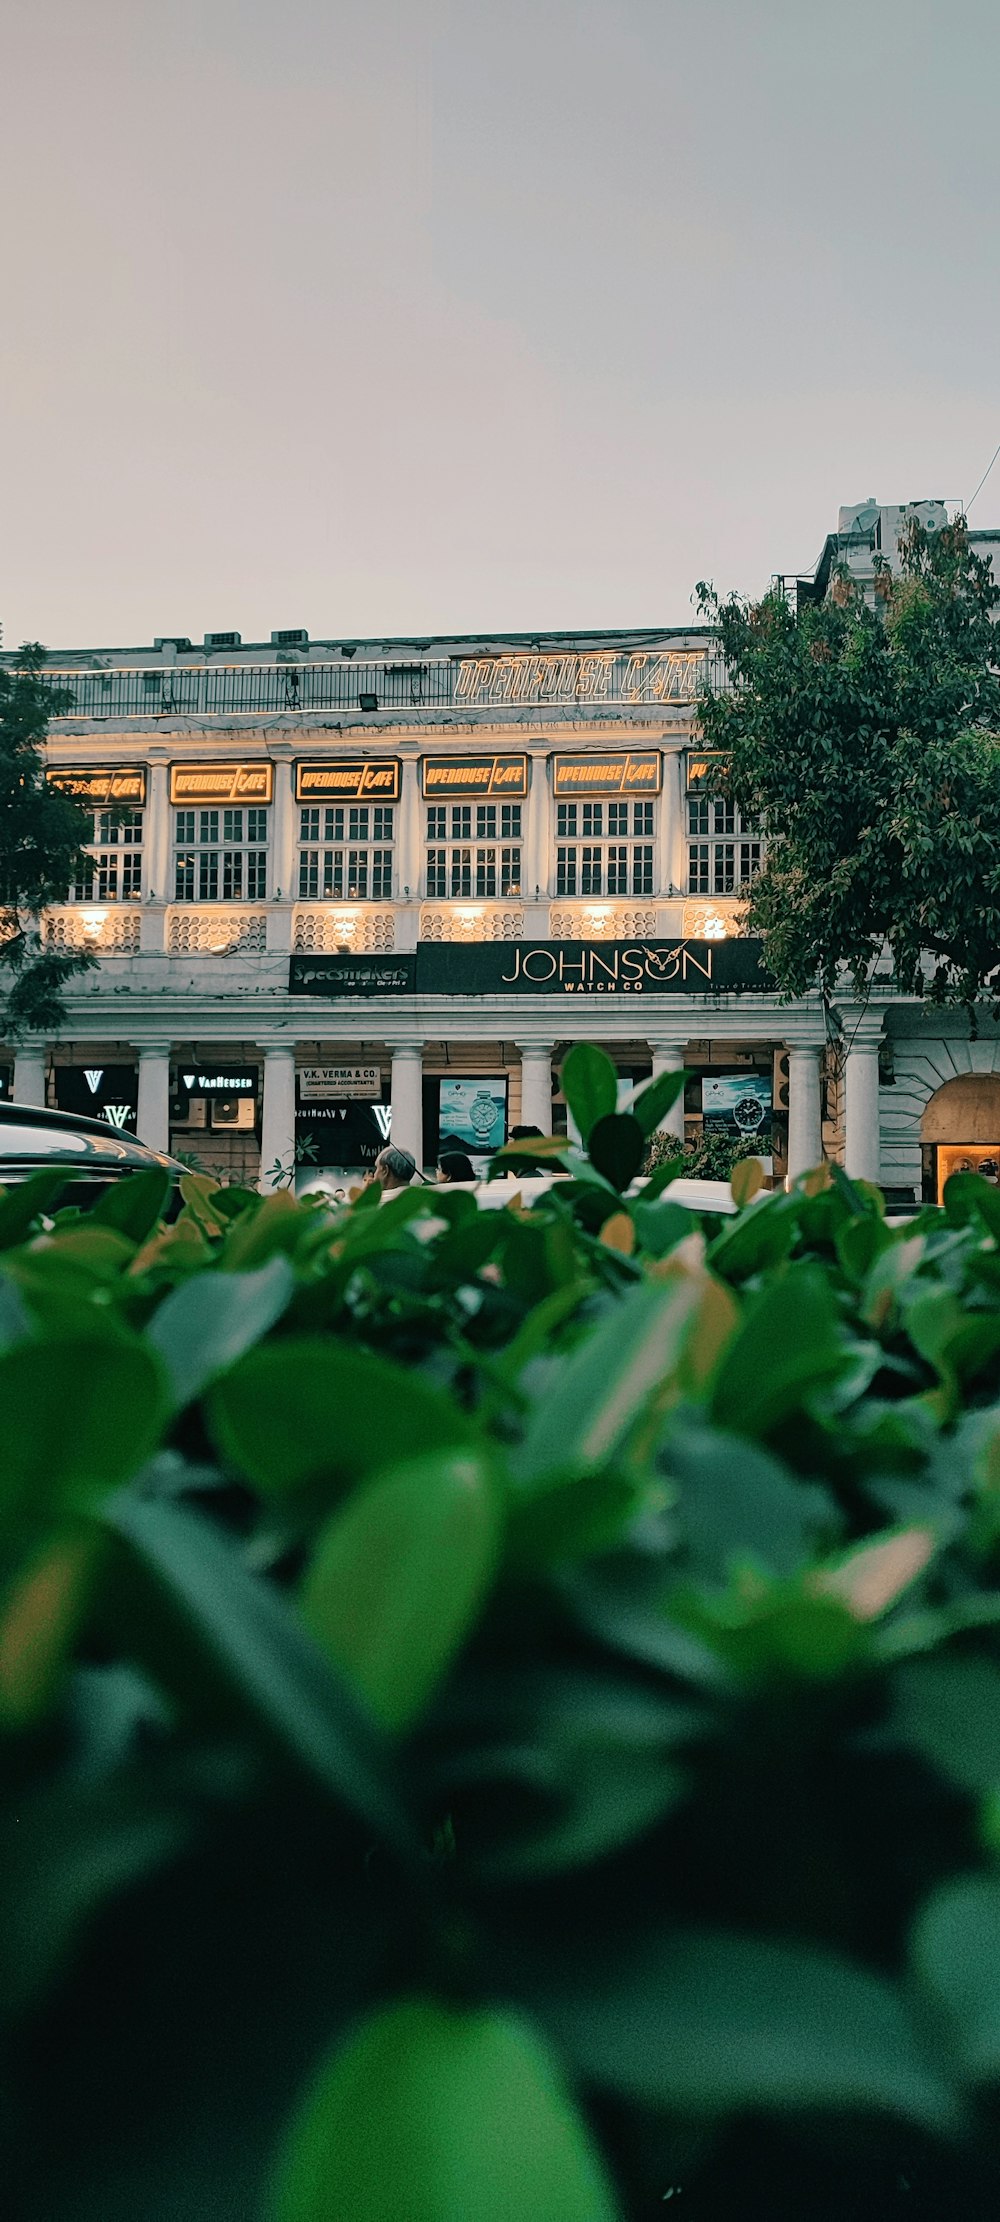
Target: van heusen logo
column 485, row 968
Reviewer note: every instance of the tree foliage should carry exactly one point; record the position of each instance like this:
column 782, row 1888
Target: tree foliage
column 500, row 1709
column 42, row 837
column 863, row 739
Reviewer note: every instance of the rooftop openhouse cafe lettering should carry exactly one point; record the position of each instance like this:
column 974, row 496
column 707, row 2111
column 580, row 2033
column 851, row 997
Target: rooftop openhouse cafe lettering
column 102, row 789
column 221, row 783
column 540, row 968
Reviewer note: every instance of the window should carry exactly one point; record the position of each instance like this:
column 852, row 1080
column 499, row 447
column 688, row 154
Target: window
column 473, row 849
column 723, row 853
column 346, row 852
column 220, row 856
column 610, row 861
column 114, row 870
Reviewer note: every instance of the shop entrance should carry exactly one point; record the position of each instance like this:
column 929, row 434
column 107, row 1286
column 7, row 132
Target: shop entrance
column 960, row 1132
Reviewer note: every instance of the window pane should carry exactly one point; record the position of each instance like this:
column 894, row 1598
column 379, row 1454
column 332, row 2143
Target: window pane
column 642, row 871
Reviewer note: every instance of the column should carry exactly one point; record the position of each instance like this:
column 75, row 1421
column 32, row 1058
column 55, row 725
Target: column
column 862, row 1157
column 805, row 1111
column 153, row 1116
column 669, row 1057
column 157, row 834
column 277, row 1141
column 29, row 1076
column 536, row 847
column 674, row 807
column 409, row 846
column 536, row 1085
column 283, row 875
column 406, row 1125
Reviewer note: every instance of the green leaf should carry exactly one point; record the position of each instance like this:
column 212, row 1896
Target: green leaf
column 182, row 1603
column 30, row 1200
column 789, row 1345
column 705, row 2022
column 309, row 1410
column 738, row 1502
column 590, row 1085
column 603, row 1390
column 208, row 1322
column 79, row 1418
column 398, row 1576
column 650, row 1104
column 660, row 1227
column 760, row 1237
column 672, row 1168
column 956, row 1952
column 616, row 1147
column 949, row 1710
column 134, row 1205
column 433, row 2113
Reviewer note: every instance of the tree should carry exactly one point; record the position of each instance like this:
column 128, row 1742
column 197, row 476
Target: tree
column 863, row 740
column 42, row 836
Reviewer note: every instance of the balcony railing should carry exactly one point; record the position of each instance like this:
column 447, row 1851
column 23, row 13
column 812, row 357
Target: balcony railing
column 581, row 683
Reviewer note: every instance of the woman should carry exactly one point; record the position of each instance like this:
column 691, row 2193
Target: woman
column 454, row 1165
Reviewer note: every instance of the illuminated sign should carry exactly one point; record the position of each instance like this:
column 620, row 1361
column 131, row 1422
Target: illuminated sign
column 605, row 675
column 475, row 775
column 237, row 1083
column 104, row 788
column 540, row 968
column 608, row 775
column 347, row 782
column 210, row 783
column 704, row 771
column 340, row 1083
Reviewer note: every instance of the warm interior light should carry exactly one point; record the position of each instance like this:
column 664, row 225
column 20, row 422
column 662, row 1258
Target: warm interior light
column 92, row 921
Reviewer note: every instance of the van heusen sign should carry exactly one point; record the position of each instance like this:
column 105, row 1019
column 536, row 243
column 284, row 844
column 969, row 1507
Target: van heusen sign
column 102, row 789
column 220, row 783
column 540, row 968
column 475, row 775
column 351, row 782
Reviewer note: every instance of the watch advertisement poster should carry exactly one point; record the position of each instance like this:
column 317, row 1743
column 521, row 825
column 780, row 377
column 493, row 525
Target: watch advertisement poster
column 738, row 1104
column 474, row 1112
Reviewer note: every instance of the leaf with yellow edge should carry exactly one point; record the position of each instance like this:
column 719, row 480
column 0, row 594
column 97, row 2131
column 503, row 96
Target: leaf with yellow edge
column 38, row 1620
column 618, row 1233
column 746, row 1180
column 869, row 1579
column 814, row 1183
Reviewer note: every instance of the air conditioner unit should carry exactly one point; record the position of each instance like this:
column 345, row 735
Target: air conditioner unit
column 294, row 637
column 780, row 1080
column 171, row 640
column 223, row 640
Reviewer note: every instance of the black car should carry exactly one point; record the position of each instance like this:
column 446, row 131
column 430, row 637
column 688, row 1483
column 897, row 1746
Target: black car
column 94, row 1155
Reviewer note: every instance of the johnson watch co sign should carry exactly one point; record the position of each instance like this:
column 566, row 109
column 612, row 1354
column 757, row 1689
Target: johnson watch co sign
column 540, row 968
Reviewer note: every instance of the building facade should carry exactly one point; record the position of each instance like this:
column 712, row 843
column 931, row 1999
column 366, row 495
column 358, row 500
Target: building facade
column 343, row 888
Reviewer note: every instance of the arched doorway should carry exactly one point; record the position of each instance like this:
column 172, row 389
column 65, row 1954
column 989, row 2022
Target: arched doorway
column 960, row 1131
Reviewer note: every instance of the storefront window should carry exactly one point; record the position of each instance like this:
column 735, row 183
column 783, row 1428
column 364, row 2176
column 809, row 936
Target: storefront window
column 346, row 852
column 220, row 856
column 114, row 870
column 473, row 849
column 606, row 861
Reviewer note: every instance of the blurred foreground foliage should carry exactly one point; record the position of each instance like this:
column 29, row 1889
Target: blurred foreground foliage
column 501, row 1708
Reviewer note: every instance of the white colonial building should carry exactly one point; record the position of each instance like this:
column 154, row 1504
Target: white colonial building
column 338, row 886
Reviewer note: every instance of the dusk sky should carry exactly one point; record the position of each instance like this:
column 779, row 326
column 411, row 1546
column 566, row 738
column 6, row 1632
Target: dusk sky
column 389, row 316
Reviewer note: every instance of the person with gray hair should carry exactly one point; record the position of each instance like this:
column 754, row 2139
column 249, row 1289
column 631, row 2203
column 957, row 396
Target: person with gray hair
column 393, row 1169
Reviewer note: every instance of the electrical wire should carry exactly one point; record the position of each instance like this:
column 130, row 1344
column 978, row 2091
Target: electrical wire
column 983, row 480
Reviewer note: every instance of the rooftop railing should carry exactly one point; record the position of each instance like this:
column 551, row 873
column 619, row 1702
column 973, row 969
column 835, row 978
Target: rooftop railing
column 514, row 683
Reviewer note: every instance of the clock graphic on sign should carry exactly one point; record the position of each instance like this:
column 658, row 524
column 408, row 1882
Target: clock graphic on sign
column 749, row 1114
column 483, row 1115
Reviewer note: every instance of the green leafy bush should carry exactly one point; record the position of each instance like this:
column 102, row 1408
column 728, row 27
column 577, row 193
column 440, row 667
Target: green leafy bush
column 501, row 1708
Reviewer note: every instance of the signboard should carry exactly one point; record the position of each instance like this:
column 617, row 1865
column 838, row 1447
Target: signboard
column 475, row 775
column 340, row 1084
column 107, row 1092
column 602, row 675
column 350, row 782
column 221, row 783
column 540, row 968
column 634, row 774
column 102, row 789
column 737, row 1103
column 352, row 975
column 344, row 1135
column 475, row 1112
column 214, row 1080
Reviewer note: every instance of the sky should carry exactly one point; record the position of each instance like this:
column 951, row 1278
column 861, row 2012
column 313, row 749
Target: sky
column 407, row 316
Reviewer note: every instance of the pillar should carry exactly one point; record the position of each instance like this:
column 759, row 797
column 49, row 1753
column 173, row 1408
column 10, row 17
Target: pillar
column 406, row 1125
column 409, row 864
column 29, row 1076
column 861, row 1104
column 153, row 1116
column 805, row 1112
column 284, row 827
column 277, row 1141
column 156, row 833
column 536, row 1085
column 669, row 1057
